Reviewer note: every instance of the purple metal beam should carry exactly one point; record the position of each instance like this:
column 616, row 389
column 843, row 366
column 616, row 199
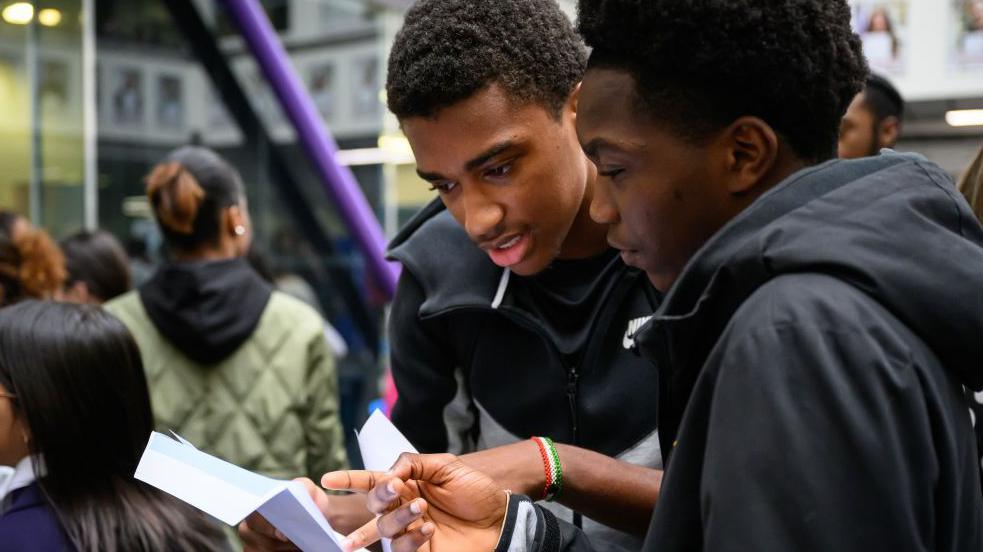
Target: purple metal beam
column 338, row 180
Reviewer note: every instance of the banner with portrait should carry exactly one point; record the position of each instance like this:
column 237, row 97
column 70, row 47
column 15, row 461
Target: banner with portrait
column 966, row 39
column 883, row 28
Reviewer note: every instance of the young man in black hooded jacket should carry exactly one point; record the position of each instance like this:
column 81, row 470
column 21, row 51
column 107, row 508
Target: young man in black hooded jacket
column 821, row 317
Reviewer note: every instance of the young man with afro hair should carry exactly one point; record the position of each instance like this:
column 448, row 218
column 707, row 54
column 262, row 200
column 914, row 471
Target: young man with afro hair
column 513, row 317
column 821, row 316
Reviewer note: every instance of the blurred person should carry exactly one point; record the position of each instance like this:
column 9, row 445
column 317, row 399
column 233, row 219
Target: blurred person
column 74, row 419
column 31, row 264
column 239, row 369
column 821, row 316
column 872, row 121
column 880, row 41
column 513, row 318
column 98, row 269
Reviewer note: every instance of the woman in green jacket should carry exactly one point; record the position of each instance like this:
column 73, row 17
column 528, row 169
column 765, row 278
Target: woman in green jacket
column 241, row 370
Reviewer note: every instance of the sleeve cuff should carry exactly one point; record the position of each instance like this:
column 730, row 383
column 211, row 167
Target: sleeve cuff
column 528, row 528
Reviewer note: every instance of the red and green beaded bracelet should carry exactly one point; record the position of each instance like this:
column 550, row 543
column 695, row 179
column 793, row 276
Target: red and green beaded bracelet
column 552, row 467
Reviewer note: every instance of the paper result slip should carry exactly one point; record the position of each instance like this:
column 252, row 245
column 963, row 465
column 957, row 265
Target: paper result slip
column 231, row 493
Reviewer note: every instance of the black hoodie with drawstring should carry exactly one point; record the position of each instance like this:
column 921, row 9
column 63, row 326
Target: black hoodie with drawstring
column 482, row 357
column 814, row 355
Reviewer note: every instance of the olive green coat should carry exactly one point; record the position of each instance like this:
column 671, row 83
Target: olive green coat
column 271, row 406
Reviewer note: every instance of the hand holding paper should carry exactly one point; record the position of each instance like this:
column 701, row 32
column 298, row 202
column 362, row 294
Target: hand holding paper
column 230, row 493
column 464, row 509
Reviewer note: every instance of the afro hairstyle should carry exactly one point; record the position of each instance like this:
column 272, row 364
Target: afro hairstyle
column 448, row 50
column 699, row 65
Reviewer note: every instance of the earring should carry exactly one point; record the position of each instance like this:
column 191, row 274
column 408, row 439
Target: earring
column 240, row 230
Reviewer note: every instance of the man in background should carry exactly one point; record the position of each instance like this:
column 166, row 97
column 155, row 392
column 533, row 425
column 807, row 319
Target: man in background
column 873, row 120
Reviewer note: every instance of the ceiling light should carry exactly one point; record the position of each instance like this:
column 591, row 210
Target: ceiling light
column 18, row 13
column 49, row 17
column 964, row 117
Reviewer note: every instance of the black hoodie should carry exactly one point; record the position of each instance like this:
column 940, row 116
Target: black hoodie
column 814, row 354
column 207, row 309
column 482, row 357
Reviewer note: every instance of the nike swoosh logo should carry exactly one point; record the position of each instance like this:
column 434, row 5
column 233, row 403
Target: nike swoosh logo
column 633, row 325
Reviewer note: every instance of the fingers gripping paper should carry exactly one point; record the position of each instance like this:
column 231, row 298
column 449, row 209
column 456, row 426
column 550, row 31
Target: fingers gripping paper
column 231, row 493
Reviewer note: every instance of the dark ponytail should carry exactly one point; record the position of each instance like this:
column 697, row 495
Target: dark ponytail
column 188, row 191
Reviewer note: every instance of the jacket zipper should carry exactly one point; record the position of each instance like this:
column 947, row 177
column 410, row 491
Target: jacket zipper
column 572, row 379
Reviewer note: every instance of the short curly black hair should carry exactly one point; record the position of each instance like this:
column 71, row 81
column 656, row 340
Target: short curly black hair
column 448, row 50
column 701, row 64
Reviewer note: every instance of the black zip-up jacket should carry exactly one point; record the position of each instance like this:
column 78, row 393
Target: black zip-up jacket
column 813, row 356
column 477, row 366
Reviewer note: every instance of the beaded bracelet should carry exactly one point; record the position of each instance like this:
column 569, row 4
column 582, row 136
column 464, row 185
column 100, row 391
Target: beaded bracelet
column 552, row 467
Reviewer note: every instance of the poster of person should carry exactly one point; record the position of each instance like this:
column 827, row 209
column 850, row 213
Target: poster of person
column 365, row 76
column 53, row 86
column 883, row 28
column 170, row 102
column 967, row 45
column 321, row 84
column 127, row 96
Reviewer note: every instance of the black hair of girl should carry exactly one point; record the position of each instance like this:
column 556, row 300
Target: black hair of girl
column 81, row 390
column 188, row 191
column 98, row 260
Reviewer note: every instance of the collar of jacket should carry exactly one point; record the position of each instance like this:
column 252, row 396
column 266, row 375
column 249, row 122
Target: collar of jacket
column 453, row 272
column 735, row 262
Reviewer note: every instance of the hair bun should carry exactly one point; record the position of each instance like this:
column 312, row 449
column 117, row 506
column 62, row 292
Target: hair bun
column 175, row 195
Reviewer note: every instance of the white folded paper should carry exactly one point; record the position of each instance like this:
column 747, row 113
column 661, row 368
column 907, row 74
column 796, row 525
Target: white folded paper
column 381, row 443
column 231, row 493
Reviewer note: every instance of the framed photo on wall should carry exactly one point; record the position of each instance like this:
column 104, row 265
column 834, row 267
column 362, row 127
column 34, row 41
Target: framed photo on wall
column 170, row 101
column 127, row 99
column 321, row 83
column 883, row 28
column 966, row 42
column 365, row 87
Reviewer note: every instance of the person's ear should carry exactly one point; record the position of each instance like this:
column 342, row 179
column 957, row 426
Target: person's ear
column 236, row 221
column 752, row 150
column 570, row 107
column 888, row 132
column 239, row 228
